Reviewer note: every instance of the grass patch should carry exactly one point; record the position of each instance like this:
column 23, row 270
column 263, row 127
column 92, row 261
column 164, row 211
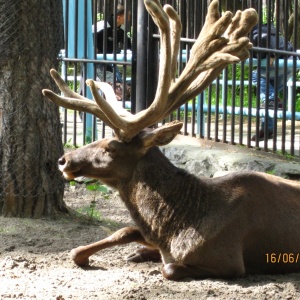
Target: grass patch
column 97, row 190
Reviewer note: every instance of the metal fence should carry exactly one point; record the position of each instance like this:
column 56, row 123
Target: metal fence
column 229, row 111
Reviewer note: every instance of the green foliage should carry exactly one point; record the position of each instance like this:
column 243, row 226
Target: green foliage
column 100, row 17
column 236, row 96
column 97, row 189
column 88, row 137
column 271, row 172
column 8, row 230
column 70, row 70
column 69, row 144
column 90, row 211
column 298, row 99
column 286, row 155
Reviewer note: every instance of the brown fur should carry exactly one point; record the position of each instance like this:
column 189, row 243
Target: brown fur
column 222, row 227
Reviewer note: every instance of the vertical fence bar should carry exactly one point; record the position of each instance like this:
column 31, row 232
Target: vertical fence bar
column 141, row 59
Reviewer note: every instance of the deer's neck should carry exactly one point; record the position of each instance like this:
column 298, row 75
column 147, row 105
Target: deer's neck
column 158, row 193
column 153, row 174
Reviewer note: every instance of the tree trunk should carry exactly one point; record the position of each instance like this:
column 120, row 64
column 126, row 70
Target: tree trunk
column 31, row 33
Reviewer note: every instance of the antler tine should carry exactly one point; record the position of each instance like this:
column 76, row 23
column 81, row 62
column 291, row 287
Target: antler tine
column 176, row 27
column 161, row 19
column 74, row 101
column 64, row 88
column 110, row 97
column 240, row 26
column 204, row 48
column 169, row 25
column 112, row 109
column 203, row 68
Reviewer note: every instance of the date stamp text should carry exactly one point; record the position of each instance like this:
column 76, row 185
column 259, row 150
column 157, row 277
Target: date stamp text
column 286, row 258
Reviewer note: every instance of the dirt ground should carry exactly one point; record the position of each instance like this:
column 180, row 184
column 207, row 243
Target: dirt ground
column 35, row 262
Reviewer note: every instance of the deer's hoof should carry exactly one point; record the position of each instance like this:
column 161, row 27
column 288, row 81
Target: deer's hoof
column 79, row 259
column 145, row 254
column 173, row 271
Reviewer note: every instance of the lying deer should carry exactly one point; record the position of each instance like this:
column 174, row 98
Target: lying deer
column 223, row 227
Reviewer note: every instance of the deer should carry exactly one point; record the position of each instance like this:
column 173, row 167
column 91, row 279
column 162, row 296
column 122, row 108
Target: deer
column 222, row 227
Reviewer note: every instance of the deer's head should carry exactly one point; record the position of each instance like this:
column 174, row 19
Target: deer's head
column 222, row 41
column 113, row 160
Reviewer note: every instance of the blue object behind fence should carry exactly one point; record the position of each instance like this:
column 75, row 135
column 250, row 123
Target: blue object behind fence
column 79, row 42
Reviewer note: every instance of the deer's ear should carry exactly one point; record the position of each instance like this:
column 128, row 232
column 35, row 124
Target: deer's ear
column 162, row 135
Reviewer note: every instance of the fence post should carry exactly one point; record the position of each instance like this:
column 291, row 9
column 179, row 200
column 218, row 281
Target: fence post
column 141, row 60
column 147, row 59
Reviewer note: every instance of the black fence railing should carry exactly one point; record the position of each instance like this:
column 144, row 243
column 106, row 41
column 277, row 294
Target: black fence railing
column 232, row 109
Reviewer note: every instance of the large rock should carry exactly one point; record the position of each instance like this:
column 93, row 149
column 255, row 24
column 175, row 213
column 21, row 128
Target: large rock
column 206, row 158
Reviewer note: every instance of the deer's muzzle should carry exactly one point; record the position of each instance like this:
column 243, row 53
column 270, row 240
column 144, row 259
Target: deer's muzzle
column 65, row 167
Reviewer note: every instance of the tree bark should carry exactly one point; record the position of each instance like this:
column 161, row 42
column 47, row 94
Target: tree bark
column 30, row 130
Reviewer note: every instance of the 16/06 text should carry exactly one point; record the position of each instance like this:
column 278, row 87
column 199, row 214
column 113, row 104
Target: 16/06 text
column 286, row 258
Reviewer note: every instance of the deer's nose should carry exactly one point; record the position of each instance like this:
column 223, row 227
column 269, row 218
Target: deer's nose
column 62, row 161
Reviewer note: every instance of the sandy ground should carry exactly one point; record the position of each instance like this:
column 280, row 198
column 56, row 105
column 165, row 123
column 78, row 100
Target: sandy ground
column 35, row 262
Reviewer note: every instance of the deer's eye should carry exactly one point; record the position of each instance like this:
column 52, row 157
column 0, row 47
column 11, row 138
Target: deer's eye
column 108, row 150
column 113, row 147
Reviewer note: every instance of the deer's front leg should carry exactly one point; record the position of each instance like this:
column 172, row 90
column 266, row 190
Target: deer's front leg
column 80, row 255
